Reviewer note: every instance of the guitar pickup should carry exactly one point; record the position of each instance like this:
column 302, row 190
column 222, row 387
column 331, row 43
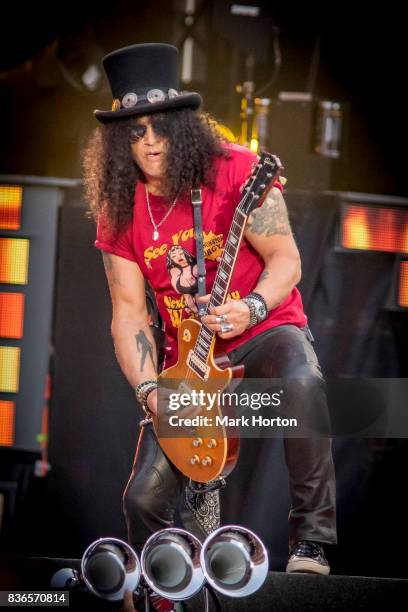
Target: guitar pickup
column 197, row 365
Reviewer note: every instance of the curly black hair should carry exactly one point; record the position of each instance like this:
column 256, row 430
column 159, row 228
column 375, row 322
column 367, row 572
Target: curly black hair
column 111, row 173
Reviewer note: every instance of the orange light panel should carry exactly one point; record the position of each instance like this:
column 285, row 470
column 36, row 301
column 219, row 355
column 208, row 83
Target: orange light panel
column 9, row 369
column 11, row 315
column 7, row 414
column 374, row 228
column 403, row 285
column 14, row 260
column 11, row 197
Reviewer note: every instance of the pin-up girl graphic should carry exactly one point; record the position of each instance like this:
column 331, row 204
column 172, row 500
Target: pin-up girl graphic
column 182, row 268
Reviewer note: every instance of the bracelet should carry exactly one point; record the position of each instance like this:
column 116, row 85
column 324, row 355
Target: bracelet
column 143, row 390
column 258, row 308
column 145, row 396
column 252, row 314
column 260, row 297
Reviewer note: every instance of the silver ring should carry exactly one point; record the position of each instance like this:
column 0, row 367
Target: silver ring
column 226, row 327
column 221, row 318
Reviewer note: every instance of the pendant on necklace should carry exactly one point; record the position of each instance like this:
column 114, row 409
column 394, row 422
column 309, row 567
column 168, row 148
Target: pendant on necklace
column 155, row 234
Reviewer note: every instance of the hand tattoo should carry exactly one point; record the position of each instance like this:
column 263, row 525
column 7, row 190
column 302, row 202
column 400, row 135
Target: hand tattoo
column 272, row 217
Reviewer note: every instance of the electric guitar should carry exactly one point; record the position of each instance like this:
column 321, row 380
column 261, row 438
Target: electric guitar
column 188, row 425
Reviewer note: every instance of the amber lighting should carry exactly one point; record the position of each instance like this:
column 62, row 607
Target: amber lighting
column 403, row 285
column 14, row 260
column 374, row 228
column 7, row 412
column 9, row 369
column 11, row 315
column 10, row 206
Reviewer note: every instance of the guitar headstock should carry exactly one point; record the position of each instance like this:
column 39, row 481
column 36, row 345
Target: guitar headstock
column 264, row 173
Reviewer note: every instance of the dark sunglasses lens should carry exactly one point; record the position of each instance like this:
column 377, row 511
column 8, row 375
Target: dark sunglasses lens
column 137, row 132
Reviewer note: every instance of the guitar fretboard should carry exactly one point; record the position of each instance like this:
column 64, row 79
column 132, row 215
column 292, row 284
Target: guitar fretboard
column 266, row 170
column 222, row 281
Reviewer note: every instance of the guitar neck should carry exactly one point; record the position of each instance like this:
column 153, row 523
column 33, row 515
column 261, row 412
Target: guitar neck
column 254, row 190
column 222, row 280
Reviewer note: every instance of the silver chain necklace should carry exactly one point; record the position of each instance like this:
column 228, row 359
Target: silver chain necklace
column 157, row 225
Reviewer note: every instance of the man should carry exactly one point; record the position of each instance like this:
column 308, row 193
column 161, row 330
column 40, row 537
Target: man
column 153, row 148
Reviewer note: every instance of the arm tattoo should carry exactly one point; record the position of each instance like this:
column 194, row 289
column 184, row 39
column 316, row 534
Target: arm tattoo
column 107, row 262
column 264, row 275
column 145, row 347
column 113, row 278
column 272, row 217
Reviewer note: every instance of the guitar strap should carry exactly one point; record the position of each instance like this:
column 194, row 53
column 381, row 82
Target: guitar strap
column 196, row 200
column 195, row 490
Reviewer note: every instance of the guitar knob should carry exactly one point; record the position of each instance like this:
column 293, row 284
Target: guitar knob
column 206, row 461
column 198, row 442
column 194, row 459
column 212, row 443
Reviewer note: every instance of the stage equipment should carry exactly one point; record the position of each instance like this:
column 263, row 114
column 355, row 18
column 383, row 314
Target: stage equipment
column 397, row 299
column 109, row 567
column 403, row 284
column 260, row 128
column 234, row 561
column 329, row 129
column 173, row 564
column 29, row 209
column 66, row 579
column 170, row 563
column 373, row 223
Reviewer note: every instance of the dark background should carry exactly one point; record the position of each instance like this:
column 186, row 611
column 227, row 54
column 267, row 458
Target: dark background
column 46, row 111
column 46, row 117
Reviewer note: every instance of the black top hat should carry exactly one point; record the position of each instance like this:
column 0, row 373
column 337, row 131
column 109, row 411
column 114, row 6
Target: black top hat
column 144, row 79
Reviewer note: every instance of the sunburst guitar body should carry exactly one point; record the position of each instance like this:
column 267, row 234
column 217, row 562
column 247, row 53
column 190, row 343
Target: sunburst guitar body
column 199, row 445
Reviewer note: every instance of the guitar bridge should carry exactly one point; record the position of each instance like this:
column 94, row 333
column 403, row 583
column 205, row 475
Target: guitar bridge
column 198, row 366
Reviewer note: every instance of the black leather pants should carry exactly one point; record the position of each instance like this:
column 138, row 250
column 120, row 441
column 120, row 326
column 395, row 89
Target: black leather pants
column 154, row 493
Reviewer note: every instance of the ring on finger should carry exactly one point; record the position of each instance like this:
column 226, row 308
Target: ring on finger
column 226, row 327
column 221, row 318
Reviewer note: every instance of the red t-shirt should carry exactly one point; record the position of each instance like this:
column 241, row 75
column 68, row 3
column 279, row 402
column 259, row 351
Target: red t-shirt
column 169, row 263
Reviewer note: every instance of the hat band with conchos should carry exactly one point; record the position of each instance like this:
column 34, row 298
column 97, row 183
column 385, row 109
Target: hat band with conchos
column 144, row 78
column 153, row 96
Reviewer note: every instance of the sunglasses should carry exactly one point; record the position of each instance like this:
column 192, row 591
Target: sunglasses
column 136, row 132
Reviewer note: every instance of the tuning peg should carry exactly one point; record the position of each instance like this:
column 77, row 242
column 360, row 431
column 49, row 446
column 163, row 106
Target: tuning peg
column 269, row 175
column 262, row 186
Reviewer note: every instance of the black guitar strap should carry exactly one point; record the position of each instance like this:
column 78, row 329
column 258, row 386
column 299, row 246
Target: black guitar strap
column 196, row 200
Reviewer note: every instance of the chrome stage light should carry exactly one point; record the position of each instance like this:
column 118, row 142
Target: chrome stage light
column 171, row 566
column 109, row 567
column 234, row 561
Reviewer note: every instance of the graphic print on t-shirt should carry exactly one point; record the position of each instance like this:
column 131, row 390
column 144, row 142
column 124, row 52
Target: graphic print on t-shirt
column 181, row 266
